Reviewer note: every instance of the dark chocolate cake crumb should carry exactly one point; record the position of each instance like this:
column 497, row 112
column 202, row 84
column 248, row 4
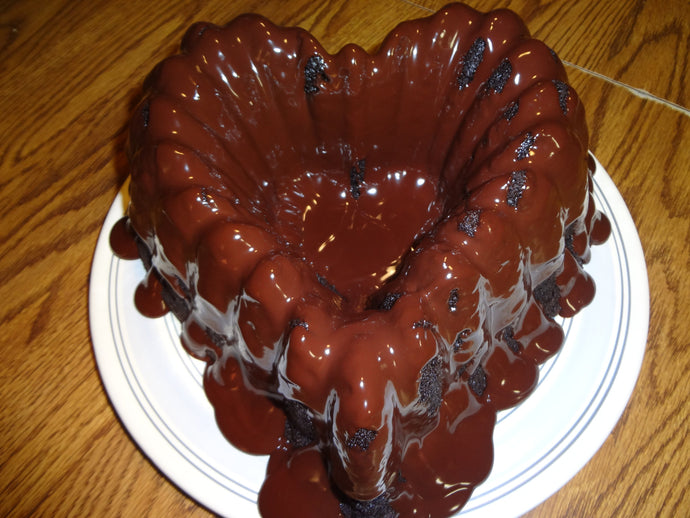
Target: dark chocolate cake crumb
column 201, row 30
column 193, row 34
column 296, row 322
column 569, row 237
column 563, row 95
column 357, row 177
column 431, row 385
column 515, row 187
column 453, row 299
column 218, row 339
column 509, row 339
column 388, row 301
column 554, row 55
column 144, row 252
column 299, row 425
column 379, row 507
column 361, row 439
column 499, row 77
column 511, row 110
column 424, row 324
column 182, row 286
column 458, row 342
column 548, row 295
column 314, row 71
column 324, row 282
column 470, row 63
column 477, row 381
column 179, row 306
column 146, row 113
column 524, row 147
column 470, row 222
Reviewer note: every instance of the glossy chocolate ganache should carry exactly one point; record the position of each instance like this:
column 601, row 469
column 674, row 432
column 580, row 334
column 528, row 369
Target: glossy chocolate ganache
column 368, row 250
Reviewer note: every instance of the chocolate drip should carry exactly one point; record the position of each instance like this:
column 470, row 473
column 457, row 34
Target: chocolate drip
column 123, row 240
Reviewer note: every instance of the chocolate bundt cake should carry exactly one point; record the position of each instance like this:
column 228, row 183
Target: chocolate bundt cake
column 368, row 250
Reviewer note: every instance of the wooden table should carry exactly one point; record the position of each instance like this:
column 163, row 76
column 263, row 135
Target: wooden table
column 69, row 73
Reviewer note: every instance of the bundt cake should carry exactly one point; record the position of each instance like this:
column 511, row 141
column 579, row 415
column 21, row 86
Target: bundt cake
column 368, row 250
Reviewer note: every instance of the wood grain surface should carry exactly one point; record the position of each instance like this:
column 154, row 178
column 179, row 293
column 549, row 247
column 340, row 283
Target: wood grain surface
column 70, row 71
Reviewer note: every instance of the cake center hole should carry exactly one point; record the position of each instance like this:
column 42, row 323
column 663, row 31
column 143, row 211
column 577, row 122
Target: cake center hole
column 354, row 230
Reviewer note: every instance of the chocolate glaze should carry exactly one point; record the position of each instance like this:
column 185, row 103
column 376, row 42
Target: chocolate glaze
column 354, row 242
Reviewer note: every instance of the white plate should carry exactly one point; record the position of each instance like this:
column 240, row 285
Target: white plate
column 156, row 388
